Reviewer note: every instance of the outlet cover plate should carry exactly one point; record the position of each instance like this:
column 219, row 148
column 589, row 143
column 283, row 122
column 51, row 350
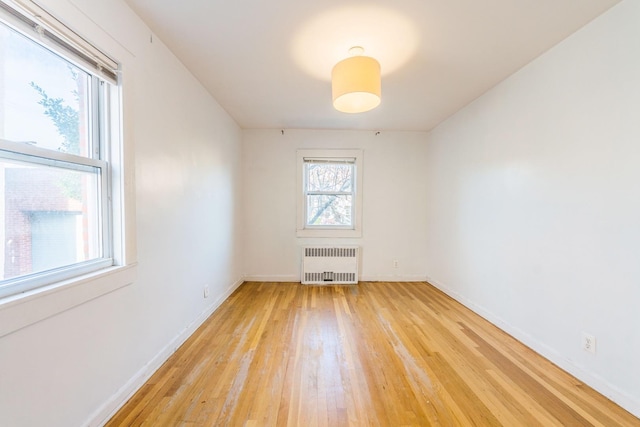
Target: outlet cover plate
column 588, row 343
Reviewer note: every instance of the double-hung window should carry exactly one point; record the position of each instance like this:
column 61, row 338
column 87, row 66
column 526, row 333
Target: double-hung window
column 329, row 190
column 330, row 204
column 57, row 107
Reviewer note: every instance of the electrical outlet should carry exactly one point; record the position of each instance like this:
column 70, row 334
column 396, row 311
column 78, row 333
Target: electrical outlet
column 206, row 291
column 395, row 263
column 588, row 343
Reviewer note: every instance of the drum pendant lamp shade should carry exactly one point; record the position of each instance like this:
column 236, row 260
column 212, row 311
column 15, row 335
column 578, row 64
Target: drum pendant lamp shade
column 355, row 84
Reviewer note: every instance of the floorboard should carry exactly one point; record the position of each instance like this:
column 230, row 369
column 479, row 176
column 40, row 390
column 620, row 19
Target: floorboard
column 372, row 354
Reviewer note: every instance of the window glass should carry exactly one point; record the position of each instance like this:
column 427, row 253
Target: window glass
column 329, row 193
column 328, row 210
column 329, row 177
column 44, row 99
column 50, row 217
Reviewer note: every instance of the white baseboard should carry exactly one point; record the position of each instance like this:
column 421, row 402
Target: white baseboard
column 109, row 408
column 366, row 278
column 630, row 403
column 393, row 278
column 274, row 278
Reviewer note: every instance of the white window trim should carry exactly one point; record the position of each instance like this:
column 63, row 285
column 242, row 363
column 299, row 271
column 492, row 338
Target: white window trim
column 94, row 161
column 301, row 229
column 23, row 309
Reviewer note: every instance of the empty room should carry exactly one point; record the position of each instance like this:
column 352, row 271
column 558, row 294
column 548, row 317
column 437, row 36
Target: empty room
column 290, row 213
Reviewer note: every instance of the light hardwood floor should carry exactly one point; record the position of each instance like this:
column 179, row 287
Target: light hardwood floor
column 372, row 354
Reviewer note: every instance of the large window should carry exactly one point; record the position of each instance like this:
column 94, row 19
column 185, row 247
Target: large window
column 56, row 105
column 330, row 204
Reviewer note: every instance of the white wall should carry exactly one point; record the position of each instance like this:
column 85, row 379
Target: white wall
column 77, row 366
column 393, row 207
column 534, row 204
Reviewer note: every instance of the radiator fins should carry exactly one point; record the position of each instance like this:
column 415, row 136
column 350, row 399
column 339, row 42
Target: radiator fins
column 331, row 252
column 330, row 265
column 330, row 276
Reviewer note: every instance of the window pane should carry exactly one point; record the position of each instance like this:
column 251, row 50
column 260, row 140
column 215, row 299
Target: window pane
column 329, row 177
column 50, row 217
column 329, row 210
column 44, row 99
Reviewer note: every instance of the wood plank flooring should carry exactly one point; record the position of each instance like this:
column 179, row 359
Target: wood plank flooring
column 372, row 354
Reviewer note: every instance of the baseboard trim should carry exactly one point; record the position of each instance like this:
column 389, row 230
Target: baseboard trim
column 274, row 278
column 385, row 278
column 596, row 382
column 380, row 278
column 109, row 408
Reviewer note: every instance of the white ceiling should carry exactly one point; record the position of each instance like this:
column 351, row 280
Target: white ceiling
column 268, row 63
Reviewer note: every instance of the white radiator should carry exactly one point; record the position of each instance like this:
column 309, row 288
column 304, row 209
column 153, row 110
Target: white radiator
column 329, row 265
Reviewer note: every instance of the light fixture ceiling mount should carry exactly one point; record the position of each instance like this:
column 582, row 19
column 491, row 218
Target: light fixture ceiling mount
column 355, row 83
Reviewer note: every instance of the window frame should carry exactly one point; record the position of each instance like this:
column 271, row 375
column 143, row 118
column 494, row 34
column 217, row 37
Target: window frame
column 329, row 156
column 307, row 193
column 105, row 128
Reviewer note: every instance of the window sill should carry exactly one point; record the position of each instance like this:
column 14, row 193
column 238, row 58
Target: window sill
column 19, row 311
column 325, row 232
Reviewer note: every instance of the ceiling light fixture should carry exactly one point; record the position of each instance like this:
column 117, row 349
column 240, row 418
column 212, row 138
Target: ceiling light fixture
column 355, row 83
